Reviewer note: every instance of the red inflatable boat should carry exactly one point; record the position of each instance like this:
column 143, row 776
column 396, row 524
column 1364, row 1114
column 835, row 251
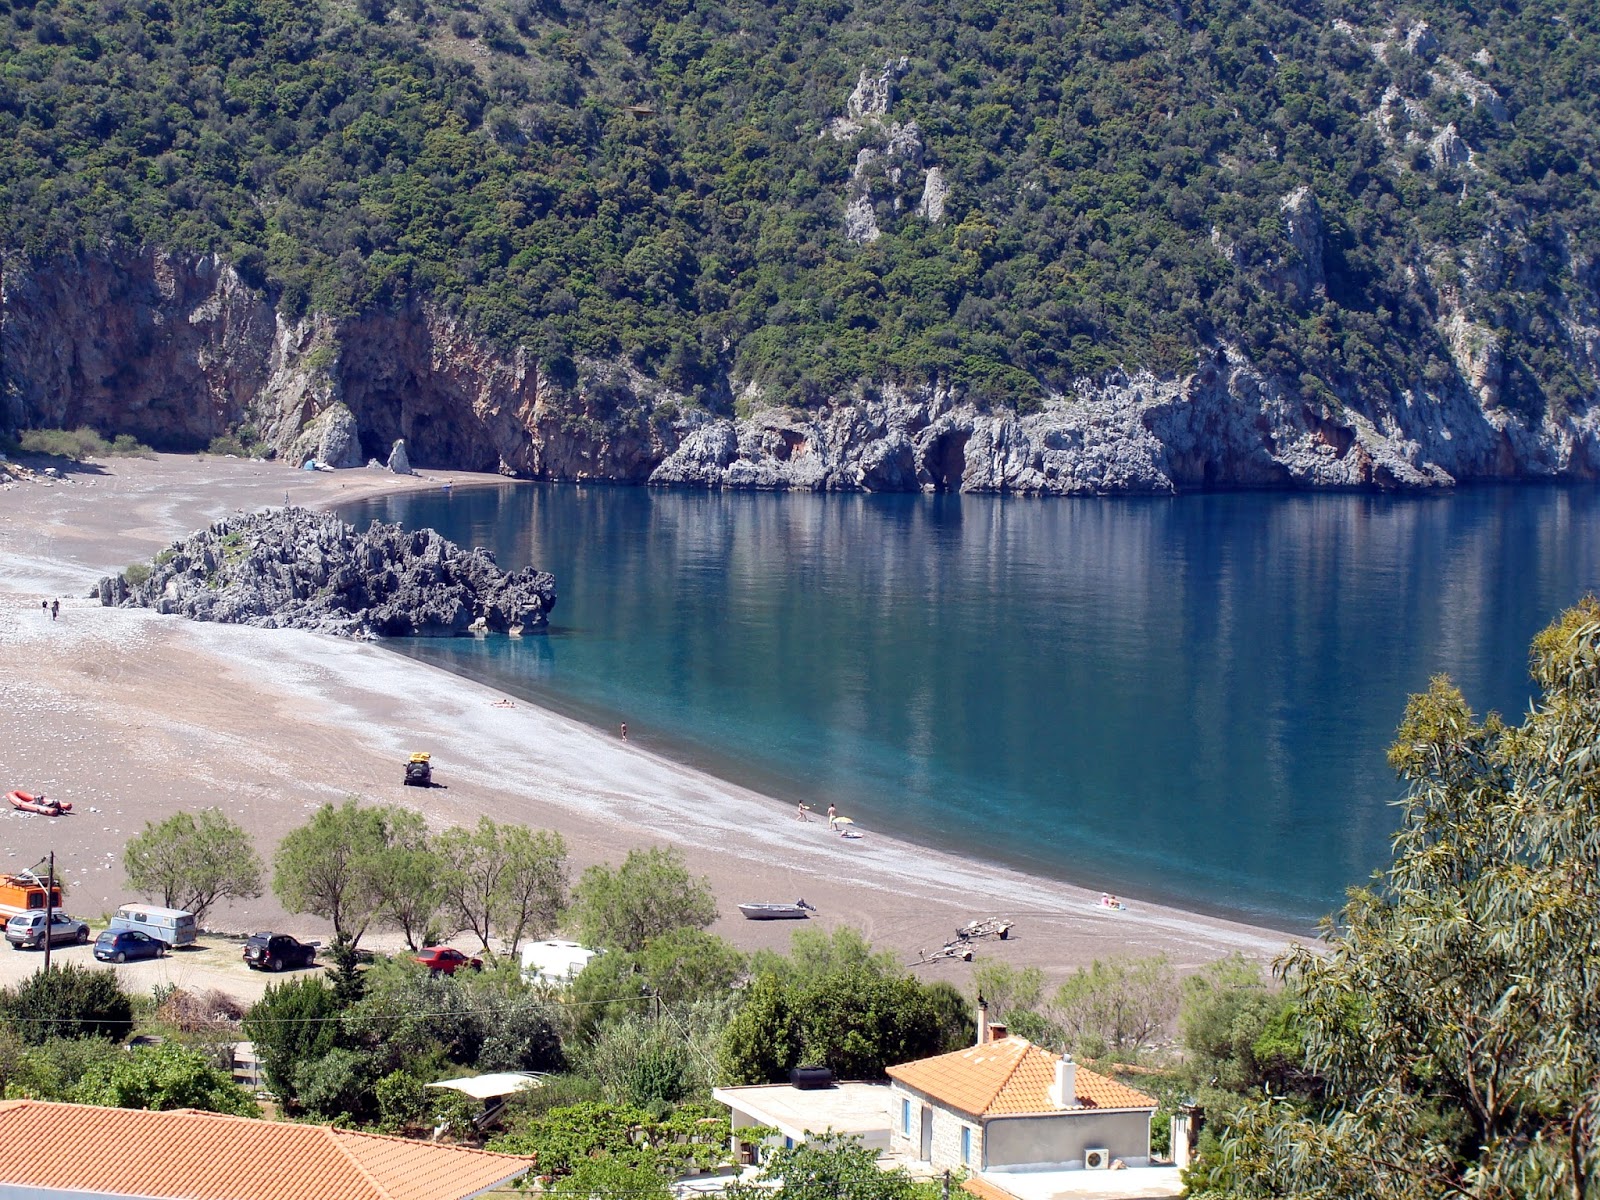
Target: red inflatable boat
column 28, row 802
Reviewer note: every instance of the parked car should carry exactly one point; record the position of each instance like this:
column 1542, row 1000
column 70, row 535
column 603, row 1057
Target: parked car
column 119, row 945
column 278, row 952
column 173, row 926
column 28, row 929
column 447, row 960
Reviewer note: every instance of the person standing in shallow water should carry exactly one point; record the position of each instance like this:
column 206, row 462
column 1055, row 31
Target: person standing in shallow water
column 624, row 731
column 833, row 815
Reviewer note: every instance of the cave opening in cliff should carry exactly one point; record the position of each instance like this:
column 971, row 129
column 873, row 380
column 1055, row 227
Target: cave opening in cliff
column 946, row 460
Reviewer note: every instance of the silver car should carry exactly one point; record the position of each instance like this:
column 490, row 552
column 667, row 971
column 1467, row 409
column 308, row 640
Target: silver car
column 27, row 930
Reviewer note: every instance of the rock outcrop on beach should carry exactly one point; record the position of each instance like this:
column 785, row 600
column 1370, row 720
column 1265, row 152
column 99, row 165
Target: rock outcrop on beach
column 298, row 569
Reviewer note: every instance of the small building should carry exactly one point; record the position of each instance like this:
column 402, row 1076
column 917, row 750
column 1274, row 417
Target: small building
column 799, row 1114
column 81, row 1152
column 1007, row 1105
column 554, row 961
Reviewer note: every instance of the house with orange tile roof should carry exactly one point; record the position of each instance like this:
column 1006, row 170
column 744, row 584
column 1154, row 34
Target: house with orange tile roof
column 80, row 1152
column 1007, row 1105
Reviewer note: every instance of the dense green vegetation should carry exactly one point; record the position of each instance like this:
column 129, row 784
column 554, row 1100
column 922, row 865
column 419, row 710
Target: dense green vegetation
column 1116, row 174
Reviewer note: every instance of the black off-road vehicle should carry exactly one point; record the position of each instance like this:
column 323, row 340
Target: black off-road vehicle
column 278, row 952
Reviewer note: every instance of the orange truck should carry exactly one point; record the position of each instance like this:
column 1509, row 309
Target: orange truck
column 25, row 893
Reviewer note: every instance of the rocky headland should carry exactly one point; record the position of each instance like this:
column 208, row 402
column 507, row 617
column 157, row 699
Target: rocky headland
column 296, row 568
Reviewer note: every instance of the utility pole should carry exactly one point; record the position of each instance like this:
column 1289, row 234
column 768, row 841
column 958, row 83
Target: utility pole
column 49, row 907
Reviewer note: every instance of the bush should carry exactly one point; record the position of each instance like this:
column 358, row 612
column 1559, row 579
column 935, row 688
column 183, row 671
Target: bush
column 164, row 1077
column 337, row 1085
column 79, row 444
column 69, row 1001
column 53, row 1070
column 137, row 574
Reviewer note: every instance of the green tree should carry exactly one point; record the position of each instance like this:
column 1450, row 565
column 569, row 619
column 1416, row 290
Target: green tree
column 335, row 866
column 67, row 1002
column 1453, row 1014
column 192, row 860
column 601, row 1178
column 1118, row 1005
column 504, row 877
column 565, row 1138
column 814, row 953
column 762, row 1041
column 166, row 1076
column 292, row 1023
column 650, row 894
column 409, row 878
column 1007, row 989
column 852, row 1020
column 1225, row 1011
column 338, row 1085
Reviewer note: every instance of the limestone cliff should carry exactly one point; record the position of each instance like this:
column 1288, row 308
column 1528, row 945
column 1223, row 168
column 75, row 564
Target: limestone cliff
column 177, row 350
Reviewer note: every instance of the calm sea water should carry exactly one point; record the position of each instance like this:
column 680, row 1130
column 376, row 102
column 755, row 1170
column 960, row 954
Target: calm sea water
column 1186, row 699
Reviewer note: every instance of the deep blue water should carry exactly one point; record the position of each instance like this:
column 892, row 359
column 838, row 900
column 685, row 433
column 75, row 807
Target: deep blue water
column 1186, row 699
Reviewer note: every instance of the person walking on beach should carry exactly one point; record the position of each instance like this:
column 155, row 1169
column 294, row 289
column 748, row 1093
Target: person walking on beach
column 44, row 606
column 833, row 815
column 55, row 609
column 800, row 813
column 624, row 731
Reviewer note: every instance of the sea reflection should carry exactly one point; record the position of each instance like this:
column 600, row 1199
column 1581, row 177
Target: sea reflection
column 1189, row 697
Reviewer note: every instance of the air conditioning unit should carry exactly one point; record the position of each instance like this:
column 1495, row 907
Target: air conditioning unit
column 1097, row 1159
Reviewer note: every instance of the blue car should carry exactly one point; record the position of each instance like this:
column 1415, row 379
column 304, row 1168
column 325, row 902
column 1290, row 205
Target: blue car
column 119, row 945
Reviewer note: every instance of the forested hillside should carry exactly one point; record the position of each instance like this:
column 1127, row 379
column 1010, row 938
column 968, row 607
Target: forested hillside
column 818, row 196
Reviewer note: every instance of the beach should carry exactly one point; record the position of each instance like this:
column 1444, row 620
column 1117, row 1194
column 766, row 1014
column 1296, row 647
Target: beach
column 132, row 716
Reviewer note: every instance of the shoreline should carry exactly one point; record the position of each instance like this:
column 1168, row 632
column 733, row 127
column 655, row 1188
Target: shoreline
column 269, row 724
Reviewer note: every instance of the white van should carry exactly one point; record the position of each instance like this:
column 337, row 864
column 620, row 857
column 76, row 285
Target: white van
column 173, row 926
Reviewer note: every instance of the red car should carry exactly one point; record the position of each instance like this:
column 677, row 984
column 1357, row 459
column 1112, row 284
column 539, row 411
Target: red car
column 447, row 960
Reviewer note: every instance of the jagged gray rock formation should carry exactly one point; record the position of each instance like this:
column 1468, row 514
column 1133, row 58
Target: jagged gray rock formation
column 1225, row 425
column 177, row 350
column 298, row 569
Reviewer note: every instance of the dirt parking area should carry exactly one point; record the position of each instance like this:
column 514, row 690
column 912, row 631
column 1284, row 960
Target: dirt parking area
column 216, row 963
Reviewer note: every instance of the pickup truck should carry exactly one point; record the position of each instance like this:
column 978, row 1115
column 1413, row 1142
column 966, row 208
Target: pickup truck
column 278, row 952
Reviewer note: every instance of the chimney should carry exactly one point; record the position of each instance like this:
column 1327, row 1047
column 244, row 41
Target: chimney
column 983, row 1019
column 1065, row 1091
column 997, row 1032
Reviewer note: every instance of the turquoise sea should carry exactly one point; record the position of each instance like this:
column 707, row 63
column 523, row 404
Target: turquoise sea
column 1185, row 699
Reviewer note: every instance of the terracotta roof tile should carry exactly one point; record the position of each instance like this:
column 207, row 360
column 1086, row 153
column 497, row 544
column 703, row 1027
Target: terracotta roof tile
column 1010, row 1077
column 208, row 1156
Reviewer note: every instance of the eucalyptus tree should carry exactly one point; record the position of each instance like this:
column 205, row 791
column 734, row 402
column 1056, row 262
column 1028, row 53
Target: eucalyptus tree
column 1454, row 1017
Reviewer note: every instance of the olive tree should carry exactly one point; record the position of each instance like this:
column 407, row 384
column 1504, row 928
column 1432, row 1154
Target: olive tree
column 192, row 860
column 1455, row 1013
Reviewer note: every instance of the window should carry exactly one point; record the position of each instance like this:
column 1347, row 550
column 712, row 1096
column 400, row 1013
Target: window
column 966, row 1145
column 905, row 1116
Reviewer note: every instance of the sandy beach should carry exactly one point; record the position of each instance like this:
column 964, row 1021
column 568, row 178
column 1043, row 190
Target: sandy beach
column 132, row 716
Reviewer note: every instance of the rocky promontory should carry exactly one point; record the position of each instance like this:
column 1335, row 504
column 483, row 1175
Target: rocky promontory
column 293, row 568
